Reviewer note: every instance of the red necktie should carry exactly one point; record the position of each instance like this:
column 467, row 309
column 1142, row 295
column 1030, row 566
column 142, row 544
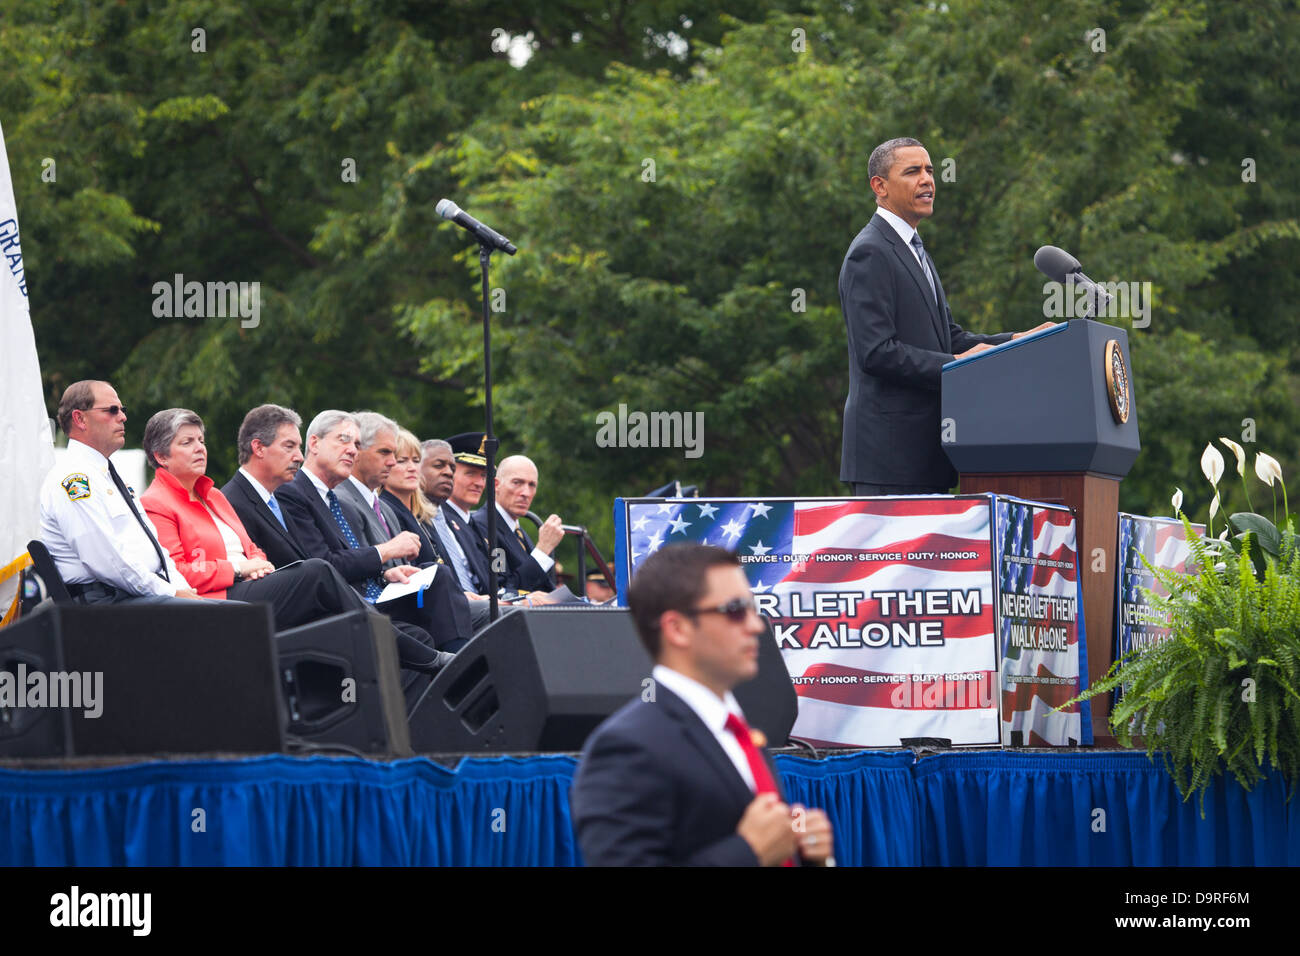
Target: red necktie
column 763, row 780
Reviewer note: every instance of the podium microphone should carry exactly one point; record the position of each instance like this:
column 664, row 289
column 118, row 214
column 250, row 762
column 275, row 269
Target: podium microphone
column 1059, row 266
column 484, row 234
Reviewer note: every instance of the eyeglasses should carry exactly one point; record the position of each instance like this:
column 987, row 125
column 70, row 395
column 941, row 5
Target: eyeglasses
column 736, row 610
column 112, row 410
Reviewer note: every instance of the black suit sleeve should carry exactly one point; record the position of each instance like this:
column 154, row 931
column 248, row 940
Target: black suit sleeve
column 963, row 340
column 868, row 296
column 624, row 810
column 355, row 564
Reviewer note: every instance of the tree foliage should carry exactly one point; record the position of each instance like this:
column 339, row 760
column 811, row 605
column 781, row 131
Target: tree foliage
column 682, row 180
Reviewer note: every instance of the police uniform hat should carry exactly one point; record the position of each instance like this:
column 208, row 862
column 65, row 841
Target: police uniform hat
column 468, row 448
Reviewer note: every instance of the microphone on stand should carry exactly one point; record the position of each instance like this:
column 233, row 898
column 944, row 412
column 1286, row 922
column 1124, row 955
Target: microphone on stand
column 485, row 234
column 1059, row 266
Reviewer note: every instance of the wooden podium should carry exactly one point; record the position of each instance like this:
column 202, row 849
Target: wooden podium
column 1050, row 418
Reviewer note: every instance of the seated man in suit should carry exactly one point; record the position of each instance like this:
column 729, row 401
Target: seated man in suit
column 679, row 778
column 270, row 454
column 315, row 517
column 529, row 567
column 102, row 543
column 207, row 541
column 463, row 485
column 376, row 521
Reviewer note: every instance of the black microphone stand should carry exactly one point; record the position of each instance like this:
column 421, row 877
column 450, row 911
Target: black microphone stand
column 490, row 440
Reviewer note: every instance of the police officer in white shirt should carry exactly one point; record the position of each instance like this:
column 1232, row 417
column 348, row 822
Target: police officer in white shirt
column 105, row 549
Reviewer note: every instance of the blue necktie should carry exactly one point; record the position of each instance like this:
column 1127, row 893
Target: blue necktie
column 372, row 588
column 925, row 266
column 275, row 510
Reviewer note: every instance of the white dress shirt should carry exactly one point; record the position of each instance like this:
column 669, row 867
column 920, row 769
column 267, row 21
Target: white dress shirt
column 91, row 533
column 257, row 486
column 904, row 229
column 712, row 711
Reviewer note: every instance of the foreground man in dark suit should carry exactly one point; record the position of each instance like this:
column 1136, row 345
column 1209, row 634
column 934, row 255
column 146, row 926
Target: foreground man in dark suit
column 901, row 333
column 676, row 777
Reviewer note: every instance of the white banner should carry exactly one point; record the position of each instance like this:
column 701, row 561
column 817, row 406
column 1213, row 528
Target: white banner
column 26, row 443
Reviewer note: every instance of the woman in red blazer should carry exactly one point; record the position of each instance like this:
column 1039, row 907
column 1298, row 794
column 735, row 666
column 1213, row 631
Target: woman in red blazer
column 206, row 539
column 182, row 502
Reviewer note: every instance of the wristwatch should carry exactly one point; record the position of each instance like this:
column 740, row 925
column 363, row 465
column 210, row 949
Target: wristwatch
column 239, row 575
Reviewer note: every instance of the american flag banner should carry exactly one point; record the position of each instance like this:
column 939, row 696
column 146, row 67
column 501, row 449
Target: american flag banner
column 1038, row 623
column 884, row 609
column 1163, row 542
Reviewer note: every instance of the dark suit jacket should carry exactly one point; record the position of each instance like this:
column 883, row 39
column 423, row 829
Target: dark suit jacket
column 472, row 542
column 280, row 545
column 311, row 523
column 364, row 523
column 899, row 340
column 523, row 573
column 430, row 546
column 654, row 788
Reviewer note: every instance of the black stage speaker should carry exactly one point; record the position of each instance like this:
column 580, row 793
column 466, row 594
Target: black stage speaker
column 342, row 685
column 544, row 678
column 140, row 679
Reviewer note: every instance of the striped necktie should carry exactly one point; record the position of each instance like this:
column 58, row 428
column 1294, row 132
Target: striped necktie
column 925, row 265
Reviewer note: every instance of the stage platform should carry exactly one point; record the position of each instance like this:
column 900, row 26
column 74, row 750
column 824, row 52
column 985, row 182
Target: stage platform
column 1077, row 807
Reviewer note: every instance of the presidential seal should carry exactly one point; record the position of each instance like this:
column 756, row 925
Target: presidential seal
column 1117, row 383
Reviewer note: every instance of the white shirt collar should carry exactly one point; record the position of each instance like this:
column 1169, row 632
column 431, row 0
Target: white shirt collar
column 257, row 485
column 366, row 493
column 82, row 450
column 464, row 515
column 708, row 706
column 511, row 521
column 904, row 229
column 322, row 489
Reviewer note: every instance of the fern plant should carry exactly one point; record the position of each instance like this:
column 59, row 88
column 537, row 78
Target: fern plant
column 1222, row 690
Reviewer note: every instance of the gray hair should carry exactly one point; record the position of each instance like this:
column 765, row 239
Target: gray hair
column 263, row 424
column 161, row 431
column 882, row 157
column 371, row 424
column 328, row 420
column 427, row 448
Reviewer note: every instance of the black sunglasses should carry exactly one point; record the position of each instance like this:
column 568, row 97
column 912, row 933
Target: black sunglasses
column 737, row 609
column 111, row 409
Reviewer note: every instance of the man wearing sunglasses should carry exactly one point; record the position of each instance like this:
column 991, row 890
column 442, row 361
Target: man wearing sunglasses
column 677, row 777
column 103, row 544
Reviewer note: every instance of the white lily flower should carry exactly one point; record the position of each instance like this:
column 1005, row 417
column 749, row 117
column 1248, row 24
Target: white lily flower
column 1212, row 464
column 1214, row 506
column 1239, row 452
column 1267, row 468
column 1177, row 500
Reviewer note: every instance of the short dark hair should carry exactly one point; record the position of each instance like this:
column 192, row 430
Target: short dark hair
column 77, row 397
column 263, row 423
column 672, row 579
column 161, row 431
column 882, row 157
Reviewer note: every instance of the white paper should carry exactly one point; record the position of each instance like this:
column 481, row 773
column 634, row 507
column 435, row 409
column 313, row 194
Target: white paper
column 420, row 579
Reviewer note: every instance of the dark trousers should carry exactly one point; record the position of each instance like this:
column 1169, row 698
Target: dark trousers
column 868, row 490
column 300, row 593
column 442, row 610
column 311, row 590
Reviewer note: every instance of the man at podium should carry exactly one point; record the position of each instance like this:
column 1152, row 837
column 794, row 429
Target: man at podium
column 901, row 333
